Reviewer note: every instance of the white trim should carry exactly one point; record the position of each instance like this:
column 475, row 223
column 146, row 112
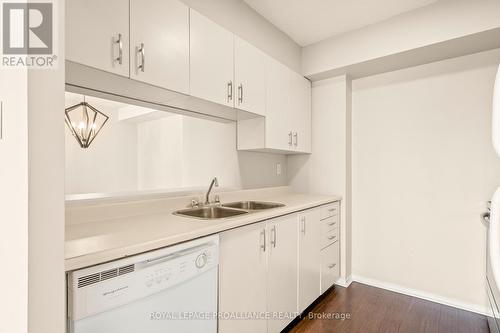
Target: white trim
column 344, row 282
column 484, row 310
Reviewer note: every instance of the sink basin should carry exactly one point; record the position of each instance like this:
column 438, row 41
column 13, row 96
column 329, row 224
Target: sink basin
column 210, row 213
column 253, row 205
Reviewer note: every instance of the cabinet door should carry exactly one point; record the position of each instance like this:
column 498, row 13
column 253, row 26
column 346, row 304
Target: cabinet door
column 93, row 30
column 278, row 124
column 300, row 110
column 330, row 266
column 282, row 270
column 159, row 40
column 212, row 67
column 242, row 277
column 309, row 257
column 250, row 77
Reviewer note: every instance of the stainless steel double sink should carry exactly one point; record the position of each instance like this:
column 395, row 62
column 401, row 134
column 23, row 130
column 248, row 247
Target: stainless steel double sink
column 213, row 212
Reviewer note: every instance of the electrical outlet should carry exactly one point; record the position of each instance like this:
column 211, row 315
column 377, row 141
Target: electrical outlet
column 278, row 169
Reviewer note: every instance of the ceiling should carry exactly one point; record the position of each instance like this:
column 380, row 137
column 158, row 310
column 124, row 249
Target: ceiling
column 309, row 21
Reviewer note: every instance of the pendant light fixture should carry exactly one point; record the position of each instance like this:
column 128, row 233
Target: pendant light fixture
column 85, row 122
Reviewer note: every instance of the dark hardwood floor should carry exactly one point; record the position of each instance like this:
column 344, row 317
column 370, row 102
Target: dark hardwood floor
column 377, row 310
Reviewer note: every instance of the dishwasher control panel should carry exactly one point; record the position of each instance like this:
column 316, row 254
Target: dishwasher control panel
column 174, row 270
column 159, row 271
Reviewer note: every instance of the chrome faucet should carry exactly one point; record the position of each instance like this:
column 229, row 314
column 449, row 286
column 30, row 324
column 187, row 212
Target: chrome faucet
column 212, row 184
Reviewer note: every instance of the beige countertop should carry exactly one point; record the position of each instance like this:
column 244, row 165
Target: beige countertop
column 101, row 232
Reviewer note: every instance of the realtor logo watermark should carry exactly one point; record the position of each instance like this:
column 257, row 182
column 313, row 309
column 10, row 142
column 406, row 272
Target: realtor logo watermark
column 28, row 34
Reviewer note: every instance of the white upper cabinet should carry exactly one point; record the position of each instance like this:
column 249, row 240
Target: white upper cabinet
column 166, row 44
column 159, row 40
column 250, row 77
column 97, row 34
column 211, row 63
column 278, row 127
column 300, row 110
column 286, row 127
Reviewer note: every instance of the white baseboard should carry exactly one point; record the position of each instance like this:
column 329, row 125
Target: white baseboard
column 344, row 282
column 423, row 295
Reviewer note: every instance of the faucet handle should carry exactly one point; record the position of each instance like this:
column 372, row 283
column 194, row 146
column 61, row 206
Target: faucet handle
column 217, row 199
column 194, row 203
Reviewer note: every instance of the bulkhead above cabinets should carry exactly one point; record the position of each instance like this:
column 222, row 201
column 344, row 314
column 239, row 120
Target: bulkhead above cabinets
column 167, row 54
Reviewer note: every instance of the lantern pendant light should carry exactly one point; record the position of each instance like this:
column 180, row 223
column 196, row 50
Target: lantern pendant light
column 85, row 122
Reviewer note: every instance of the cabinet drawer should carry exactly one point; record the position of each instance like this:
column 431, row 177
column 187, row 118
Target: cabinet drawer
column 329, row 210
column 329, row 237
column 329, row 224
column 330, row 266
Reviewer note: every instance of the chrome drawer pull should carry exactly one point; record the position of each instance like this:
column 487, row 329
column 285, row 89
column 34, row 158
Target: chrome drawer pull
column 332, row 237
column 332, row 223
column 230, row 91
column 240, row 93
column 273, row 232
column 142, row 52
column 331, row 266
column 263, row 245
column 119, row 42
column 485, row 218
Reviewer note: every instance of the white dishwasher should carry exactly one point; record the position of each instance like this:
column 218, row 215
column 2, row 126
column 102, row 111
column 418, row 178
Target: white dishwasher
column 168, row 290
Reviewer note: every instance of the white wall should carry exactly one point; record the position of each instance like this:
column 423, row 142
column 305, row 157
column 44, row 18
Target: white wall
column 423, row 166
column 238, row 17
column 209, row 151
column 169, row 152
column 159, row 159
column 14, row 201
column 46, row 278
column 439, row 22
column 259, row 169
column 327, row 170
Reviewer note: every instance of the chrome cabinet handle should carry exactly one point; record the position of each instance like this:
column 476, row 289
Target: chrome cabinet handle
column 332, row 223
column 273, row 231
column 263, row 245
column 119, row 41
column 290, row 138
column 332, row 237
column 296, row 136
column 331, row 266
column 143, row 58
column 230, row 91
column 332, row 210
column 240, row 93
column 485, row 217
column 303, row 220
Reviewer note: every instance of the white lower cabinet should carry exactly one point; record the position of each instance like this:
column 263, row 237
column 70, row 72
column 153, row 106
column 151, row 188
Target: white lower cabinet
column 258, row 274
column 329, row 266
column 282, row 272
column 243, row 277
column 309, row 258
column 274, row 268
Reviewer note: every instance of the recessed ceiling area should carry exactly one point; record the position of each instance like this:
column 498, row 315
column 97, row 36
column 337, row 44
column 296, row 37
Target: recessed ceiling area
column 310, row 21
